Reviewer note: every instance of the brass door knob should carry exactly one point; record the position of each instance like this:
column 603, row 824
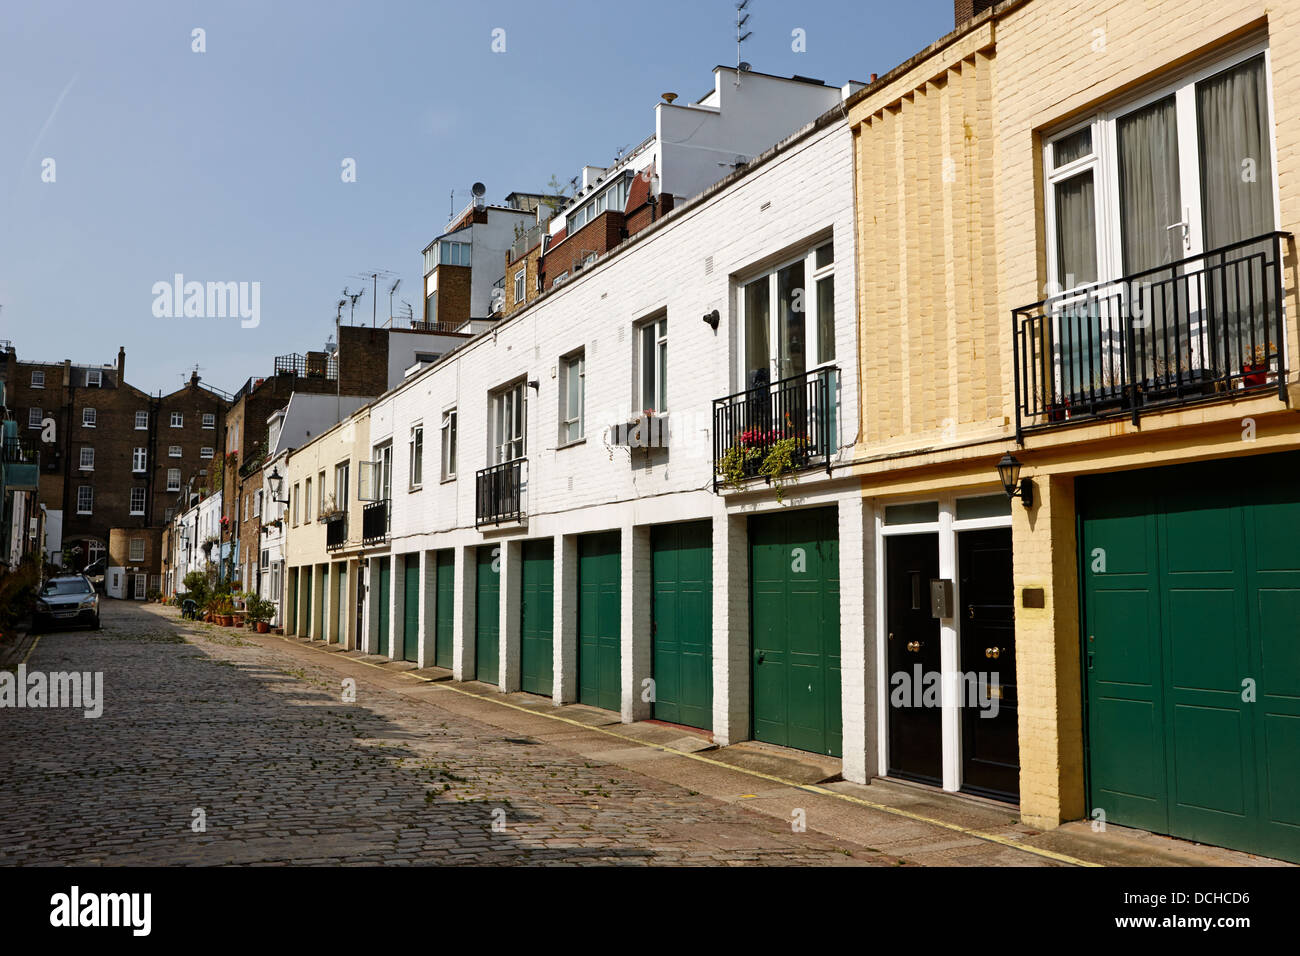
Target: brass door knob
column 914, row 646
column 993, row 652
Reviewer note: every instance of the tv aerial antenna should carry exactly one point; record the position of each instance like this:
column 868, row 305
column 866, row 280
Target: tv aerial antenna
column 741, row 19
column 374, row 275
column 353, row 296
column 392, row 289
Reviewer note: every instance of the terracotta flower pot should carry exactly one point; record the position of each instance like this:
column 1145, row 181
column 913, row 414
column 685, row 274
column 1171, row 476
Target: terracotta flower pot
column 263, row 627
column 1254, row 373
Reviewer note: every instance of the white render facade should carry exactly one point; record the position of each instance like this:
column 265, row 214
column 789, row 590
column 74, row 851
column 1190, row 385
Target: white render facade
column 792, row 208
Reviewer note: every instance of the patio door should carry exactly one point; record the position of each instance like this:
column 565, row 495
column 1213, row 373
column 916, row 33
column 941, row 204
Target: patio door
column 788, row 326
column 1164, row 179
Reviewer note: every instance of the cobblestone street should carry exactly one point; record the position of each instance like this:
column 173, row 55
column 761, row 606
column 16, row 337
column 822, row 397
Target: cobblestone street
column 201, row 717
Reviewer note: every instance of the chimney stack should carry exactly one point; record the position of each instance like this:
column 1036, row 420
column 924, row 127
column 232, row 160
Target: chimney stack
column 121, row 365
column 966, row 10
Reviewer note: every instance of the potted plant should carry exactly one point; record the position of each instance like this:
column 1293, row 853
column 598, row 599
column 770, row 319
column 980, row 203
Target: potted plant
column 259, row 613
column 1255, row 371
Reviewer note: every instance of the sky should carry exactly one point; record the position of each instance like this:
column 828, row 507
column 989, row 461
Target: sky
column 126, row 156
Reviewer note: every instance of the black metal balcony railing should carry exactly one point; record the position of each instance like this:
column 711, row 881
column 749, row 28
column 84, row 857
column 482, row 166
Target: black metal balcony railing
column 1205, row 328
column 19, row 452
column 800, row 408
column 311, row 365
column 374, row 522
column 336, row 533
column 498, row 493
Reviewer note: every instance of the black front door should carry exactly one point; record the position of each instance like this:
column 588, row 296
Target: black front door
column 990, row 744
column 915, row 714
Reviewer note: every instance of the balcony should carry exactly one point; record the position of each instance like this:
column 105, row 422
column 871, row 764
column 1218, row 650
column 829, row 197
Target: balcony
column 374, row 522
column 336, row 531
column 498, row 493
column 311, row 365
column 20, row 462
column 1203, row 329
column 794, row 414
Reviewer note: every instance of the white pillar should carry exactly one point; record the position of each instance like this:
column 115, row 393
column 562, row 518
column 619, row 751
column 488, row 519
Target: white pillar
column 857, row 551
column 731, row 639
column 509, row 669
column 565, row 621
column 634, row 611
column 428, row 607
column 463, row 627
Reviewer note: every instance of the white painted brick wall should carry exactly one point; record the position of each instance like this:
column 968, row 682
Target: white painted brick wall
column 592, row 486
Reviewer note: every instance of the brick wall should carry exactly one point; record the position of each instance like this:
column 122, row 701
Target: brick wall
column 453, row 296
column 599, row 236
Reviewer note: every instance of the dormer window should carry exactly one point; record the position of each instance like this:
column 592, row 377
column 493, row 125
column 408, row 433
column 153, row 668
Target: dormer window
column 94, row 378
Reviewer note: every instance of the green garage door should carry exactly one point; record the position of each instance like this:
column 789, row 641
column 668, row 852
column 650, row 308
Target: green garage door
column 487, row 613
column 536, row 608
column 411, row 601
column 599, row 625
column 385, row 569
column 445, row 610
column 794, row 570
column 682, row 623
column 1191, row 643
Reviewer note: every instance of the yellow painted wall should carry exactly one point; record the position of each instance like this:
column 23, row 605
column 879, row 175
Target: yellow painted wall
column 952, row 239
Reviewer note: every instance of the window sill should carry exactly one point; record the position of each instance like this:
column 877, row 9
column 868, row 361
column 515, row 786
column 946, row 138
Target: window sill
column 572, row 444
column 414, row 488
column 448, row 480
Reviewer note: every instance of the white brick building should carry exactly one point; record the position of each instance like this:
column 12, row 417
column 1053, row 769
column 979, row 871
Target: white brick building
column 583, row 567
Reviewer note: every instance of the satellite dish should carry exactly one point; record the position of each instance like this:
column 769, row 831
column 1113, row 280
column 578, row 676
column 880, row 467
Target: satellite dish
column 744, row 66
column 478, row 190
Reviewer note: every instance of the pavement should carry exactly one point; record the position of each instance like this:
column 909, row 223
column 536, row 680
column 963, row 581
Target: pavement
column 220, row 746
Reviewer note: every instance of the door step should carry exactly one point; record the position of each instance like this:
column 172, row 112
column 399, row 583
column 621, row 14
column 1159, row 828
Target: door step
column 796, row 766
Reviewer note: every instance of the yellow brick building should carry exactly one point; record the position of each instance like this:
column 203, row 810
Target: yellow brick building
column 1074, row 227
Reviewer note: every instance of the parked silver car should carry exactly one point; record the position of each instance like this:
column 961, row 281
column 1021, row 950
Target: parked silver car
column 65, row 600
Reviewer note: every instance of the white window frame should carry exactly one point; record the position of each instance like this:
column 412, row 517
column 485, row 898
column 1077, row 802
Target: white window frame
column 141, row 421
column 89, row 417
column 415, row 451
column 382, row 471
column 257, row 503
column 38, row 378
column 520, row 285
column 448, row 432
column 175, row 451
column 342, row 484
column 173, row 479
column 813, row 346
column 34, row 417
column 139, row 460
column 88, row 493
column 135, row 551
column 207, row 451
column 658, row 360
column 1104, row 162
column 142, row 494
column 575, row 363
column 86, row 459
column 209, row 420
column 94, row 378
column 178, row 420
column 508, row 423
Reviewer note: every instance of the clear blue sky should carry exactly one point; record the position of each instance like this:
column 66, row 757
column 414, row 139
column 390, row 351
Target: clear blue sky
column 225, row 165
